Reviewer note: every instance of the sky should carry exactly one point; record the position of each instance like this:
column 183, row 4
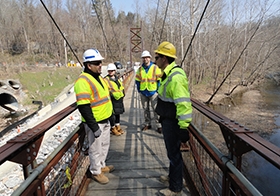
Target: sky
column 124, row 5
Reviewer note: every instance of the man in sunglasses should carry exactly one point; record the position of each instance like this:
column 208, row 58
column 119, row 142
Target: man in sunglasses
column 147, row 82
column 95, row 106
column 175, row 111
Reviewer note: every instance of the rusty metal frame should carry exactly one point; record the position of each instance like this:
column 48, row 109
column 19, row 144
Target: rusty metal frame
column 135, row 40
column 229, row 182
column 24, row 148
column 38, row 183
column 239, row 139
column 211, row 153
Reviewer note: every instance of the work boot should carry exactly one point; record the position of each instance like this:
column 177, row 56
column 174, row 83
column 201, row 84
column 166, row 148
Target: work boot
column 120, row 129
column 159, row 130
column 165, row 180
column 168, row 192
column 184, row 147
column 86, row 151
column 146, row 127
column 100, row 178
column 115, row 131
column 108, row 169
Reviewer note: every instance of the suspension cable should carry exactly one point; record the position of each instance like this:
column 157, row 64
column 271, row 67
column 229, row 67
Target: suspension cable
column 195, row 31
column 164, row 21
column 154, row 26
column 61, row 32
column 94, row 6
column 114, row 32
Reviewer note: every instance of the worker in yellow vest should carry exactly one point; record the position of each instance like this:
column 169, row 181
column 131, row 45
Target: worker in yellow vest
column 116, row 89
column 95, row 106
column 147, row 80
column 175, row 111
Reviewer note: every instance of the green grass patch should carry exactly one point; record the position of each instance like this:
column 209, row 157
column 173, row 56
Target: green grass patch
column 44, row 84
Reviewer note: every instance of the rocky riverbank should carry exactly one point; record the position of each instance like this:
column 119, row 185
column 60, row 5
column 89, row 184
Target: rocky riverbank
column 246, row 106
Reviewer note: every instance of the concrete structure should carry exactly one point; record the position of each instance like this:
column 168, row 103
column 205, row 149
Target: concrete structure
column 10, row 93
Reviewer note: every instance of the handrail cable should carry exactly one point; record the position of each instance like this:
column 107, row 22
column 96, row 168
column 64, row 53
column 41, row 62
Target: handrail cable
column 94, row 6
column 154, row 26
column 195, row 31
column 164, row 21
column 61, row 32
column 111, row 22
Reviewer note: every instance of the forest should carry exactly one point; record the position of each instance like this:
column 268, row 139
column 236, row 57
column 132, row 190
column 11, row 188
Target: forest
column 220, row 42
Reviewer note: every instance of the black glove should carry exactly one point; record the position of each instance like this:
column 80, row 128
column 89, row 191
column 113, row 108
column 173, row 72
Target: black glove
column 184, row 135
column 97, row 133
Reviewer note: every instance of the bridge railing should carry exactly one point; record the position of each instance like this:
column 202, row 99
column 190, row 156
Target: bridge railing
column 63, row 172
column 207, row 171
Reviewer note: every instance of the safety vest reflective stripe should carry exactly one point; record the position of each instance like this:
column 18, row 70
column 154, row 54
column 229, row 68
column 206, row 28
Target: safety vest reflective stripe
column 89, row 91
column 179, row 100
column 116, row 90
column 137, row 77
column 109, row 83
column 183, row 99
column 185, row 117
column 100, row 102
column 112, row 89
column 96, row 101
column 163, row 96
column 148, row 80
column 92, row 86
column 175, row 101
column 82, row 96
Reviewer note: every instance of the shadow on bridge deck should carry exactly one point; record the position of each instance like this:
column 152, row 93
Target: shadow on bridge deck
column 139, row 157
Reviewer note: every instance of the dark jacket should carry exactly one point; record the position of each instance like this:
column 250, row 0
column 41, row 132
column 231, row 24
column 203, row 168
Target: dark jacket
column 118, row 106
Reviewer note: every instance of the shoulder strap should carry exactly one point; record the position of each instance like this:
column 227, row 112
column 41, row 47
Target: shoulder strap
column 164, row 75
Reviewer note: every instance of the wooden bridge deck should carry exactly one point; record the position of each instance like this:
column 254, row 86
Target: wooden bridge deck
column 139, row 157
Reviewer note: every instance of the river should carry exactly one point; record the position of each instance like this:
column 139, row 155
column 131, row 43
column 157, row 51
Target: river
column 265, row 176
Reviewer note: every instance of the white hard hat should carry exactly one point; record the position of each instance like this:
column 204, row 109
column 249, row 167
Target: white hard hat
column 111, row 66
column 92, row 55
column 146, row 53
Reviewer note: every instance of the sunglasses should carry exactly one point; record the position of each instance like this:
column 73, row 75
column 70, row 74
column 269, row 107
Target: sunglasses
column 157, row 57
column 96, row 63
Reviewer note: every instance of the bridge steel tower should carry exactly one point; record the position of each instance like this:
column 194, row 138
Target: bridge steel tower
column 136, row 44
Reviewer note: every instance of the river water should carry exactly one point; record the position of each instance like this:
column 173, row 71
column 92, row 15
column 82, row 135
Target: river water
column 263, row 175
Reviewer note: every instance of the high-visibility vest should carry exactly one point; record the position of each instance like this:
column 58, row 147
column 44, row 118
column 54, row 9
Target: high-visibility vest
column 89, row 91
column 148, row 80
column 117, row 91
column 174, row 96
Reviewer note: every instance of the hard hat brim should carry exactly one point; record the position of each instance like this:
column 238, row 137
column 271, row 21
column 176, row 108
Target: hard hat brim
column 164, row 54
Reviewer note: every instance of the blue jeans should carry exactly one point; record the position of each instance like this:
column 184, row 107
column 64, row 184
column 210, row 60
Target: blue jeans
column 170, row 130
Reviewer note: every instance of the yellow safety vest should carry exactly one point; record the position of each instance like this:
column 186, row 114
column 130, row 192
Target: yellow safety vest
column 89, row 91
column 174, row 90
column 117, row 92
column 148, row 80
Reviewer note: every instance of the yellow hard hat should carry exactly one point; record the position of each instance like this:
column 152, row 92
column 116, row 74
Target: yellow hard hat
column 166, row 49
